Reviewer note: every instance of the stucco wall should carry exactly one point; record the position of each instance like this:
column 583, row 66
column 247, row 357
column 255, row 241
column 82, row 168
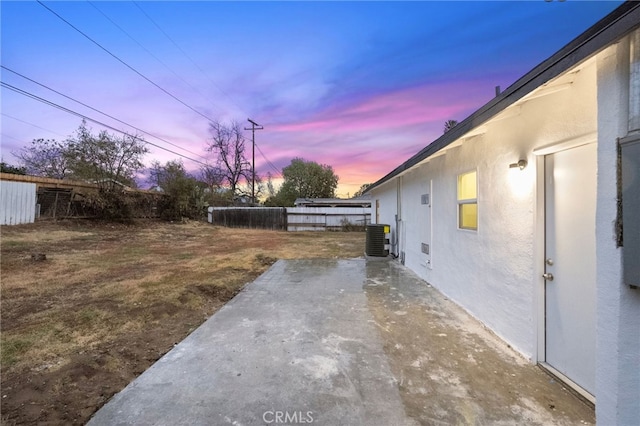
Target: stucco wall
column 618, row 308
column 494, row 272
column 490, row 272
column 414, row 215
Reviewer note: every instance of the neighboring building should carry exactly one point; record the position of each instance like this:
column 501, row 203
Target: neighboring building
column 58, row 198
column 514, row 214
column 363, row 201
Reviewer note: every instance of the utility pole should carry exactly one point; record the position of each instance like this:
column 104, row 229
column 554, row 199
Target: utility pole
column 254, row 126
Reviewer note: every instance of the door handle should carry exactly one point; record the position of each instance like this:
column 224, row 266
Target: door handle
column 548, row 276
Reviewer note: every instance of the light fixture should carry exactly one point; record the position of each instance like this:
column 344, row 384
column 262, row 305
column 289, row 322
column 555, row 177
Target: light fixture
column 521, row 164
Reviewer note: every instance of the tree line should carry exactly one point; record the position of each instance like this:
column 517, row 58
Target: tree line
column 113, row 162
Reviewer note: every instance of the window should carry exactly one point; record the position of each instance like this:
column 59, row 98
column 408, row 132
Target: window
column 468, row 201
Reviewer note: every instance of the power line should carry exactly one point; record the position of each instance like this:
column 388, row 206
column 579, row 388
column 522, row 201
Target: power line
column 145, row 49
column 254, row 126
column 269, row 163
column 98, row 111
column 186, row 55
column 31, row 124
column 12, row 137
column 124, row 63
column 205, row 75
column 72, row 112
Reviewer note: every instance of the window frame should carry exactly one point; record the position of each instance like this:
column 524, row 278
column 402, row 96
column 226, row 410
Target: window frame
column 466, row 201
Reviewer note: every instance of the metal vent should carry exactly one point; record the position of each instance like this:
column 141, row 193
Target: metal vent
column 425, row 248
column 424, row 199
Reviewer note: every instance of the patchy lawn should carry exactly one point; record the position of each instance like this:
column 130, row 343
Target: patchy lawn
column 110, row 299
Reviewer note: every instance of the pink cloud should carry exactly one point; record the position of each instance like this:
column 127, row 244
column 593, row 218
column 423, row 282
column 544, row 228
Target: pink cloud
column 365, row 139
column 409, row 106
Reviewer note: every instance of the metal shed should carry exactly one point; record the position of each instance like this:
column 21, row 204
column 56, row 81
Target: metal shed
column 17, row 202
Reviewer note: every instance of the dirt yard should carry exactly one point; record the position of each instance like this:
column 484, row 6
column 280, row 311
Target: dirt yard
column 110, row 299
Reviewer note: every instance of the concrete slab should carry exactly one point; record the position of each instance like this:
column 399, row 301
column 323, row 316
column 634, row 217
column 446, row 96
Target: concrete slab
column 350, row 342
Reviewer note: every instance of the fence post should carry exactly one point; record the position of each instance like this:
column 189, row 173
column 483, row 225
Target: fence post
column 285, row 219
column 55, row 205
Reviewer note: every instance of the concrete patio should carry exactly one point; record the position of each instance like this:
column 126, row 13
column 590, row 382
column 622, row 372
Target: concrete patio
column 351, row 342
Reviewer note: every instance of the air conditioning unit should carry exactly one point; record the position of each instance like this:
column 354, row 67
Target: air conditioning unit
column 377, row 240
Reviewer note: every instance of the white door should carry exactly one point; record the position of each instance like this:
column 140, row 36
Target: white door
column 570, row 293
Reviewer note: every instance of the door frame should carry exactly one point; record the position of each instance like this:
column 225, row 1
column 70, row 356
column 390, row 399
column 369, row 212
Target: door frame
column 539, row 255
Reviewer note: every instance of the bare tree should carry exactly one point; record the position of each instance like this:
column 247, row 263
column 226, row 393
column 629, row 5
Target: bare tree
column 45, row 157
column 228, row 143
column 212, row 176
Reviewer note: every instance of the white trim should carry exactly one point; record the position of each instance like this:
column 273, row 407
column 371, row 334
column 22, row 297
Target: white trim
column 570, row 383
column 544, row 91
column 460, row 202
column 512, row 111
column 476, row 131
column 538, row 262
column 566, row 144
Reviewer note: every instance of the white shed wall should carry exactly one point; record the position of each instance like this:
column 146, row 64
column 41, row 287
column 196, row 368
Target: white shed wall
column 17, row 202
column 326, row 218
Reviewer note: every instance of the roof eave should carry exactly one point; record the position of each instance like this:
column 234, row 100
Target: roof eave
column 612, row 27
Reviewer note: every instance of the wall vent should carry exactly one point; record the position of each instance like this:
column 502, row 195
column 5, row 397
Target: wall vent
column 425, row 248
column 424, row 199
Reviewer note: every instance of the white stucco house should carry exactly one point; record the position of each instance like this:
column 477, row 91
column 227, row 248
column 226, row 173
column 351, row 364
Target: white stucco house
column 526, row 214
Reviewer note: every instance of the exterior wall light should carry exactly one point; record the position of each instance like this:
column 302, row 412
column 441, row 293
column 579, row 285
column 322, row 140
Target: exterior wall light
column 521, row 164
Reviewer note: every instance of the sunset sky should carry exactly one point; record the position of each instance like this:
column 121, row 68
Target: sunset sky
column 360, row 86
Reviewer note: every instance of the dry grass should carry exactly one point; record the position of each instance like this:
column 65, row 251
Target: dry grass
column 111, row 299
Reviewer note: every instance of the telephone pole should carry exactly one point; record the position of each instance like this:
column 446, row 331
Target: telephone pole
column 254, row 126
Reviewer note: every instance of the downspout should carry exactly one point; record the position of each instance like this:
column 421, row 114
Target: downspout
column 634, row 83
column 399, row 223
column 395, row 238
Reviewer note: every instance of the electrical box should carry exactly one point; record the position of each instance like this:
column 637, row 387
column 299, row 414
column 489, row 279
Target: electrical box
column 630, row 164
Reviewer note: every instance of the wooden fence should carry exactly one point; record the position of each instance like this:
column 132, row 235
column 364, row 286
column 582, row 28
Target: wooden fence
column 292, row 218
column 249, row 217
